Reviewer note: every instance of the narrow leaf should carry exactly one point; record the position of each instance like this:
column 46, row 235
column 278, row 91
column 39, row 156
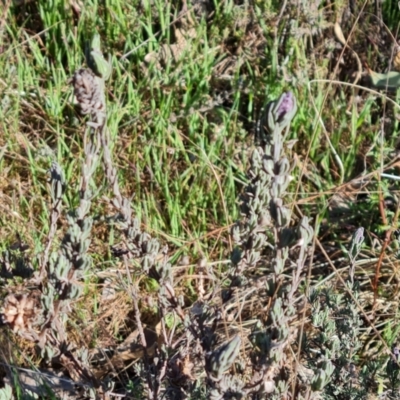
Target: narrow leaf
column 389, row 81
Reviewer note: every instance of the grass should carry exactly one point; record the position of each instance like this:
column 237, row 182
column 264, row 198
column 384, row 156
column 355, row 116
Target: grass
column 182, row 129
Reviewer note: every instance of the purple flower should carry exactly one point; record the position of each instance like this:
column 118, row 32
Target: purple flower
column 279, row 112
column 286, row 105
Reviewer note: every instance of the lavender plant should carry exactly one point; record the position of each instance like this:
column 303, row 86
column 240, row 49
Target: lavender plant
column 138, row 250
column 336, row 344
column 60, row 273
column 332, row 349
column 269, row 246
column 67, row 268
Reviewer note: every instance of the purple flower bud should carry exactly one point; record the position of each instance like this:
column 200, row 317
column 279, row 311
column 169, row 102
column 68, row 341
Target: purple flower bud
column 279, row 113
column 286, row 105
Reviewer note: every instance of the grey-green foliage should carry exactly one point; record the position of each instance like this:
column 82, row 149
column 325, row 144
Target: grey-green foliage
column 387, row 81
column 222, row 358
column 138, row 249
column 266, row 216
column 64, row 268
column 6, row 393
column 95, row 59
column 333, row 350
column 229, row 387
column 268, row 245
